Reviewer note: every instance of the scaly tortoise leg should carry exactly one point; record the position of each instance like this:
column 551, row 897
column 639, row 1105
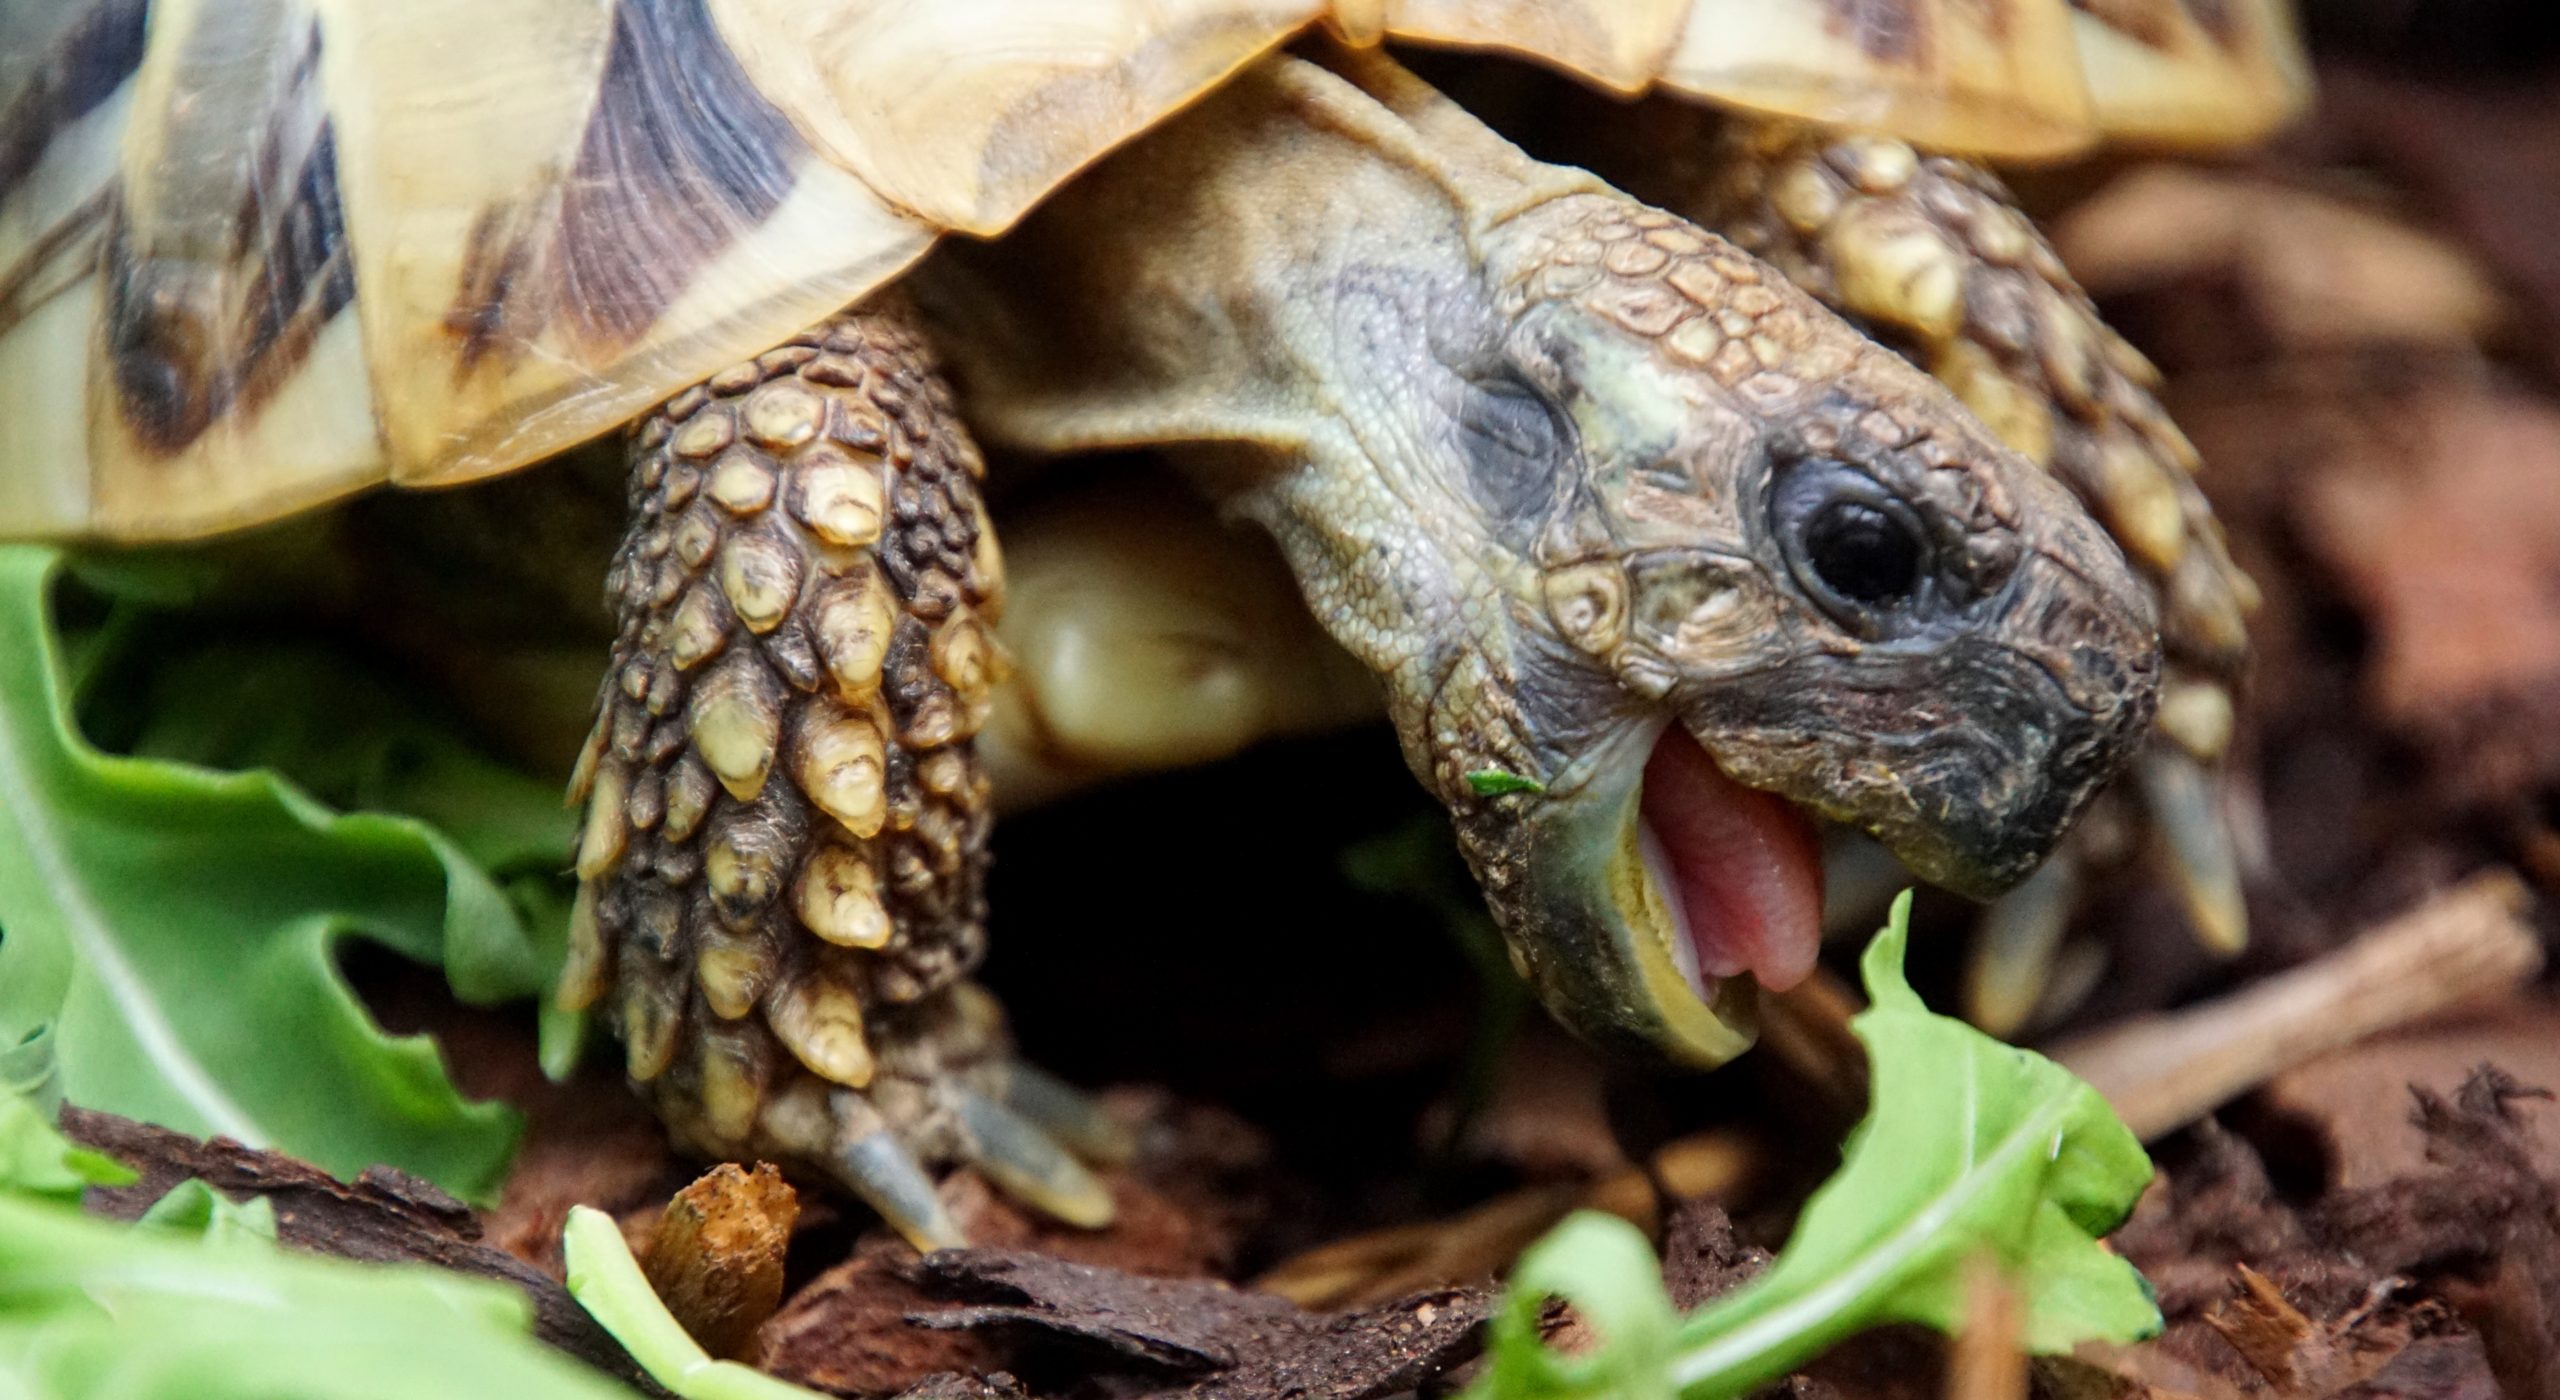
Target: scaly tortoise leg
column 1930, row 254
column 781, row 872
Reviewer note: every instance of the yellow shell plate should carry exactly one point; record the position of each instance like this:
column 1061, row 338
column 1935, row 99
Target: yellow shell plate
column 259, row 254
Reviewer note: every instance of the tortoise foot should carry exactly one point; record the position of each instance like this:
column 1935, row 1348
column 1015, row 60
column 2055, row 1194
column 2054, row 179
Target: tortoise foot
column 945, row 1092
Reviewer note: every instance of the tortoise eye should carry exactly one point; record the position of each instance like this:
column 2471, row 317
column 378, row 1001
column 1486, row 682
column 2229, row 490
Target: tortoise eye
column 1856, row 549
column 1863, row 553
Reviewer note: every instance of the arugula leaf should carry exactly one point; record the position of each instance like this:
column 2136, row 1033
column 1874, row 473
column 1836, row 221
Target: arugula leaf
column 607, row 1281
column 356, row 740
column 195, row 1209
column 1971, row 1148
column 1494, row 782
column 173, row 929
column 1606, row 1269
column 36, row 1160
column 201, row 1305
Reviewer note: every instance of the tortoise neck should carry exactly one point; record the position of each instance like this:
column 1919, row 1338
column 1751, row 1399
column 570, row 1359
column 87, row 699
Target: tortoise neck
column 1303, row 285
column 1313, row 237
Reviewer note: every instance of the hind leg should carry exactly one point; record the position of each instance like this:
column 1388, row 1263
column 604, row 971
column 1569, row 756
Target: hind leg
column 782, row 868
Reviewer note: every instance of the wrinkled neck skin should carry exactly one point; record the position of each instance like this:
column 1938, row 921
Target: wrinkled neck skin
column 1603, row 506
column 1318, row 260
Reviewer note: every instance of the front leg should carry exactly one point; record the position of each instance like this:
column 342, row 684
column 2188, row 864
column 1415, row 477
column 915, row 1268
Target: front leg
column 781, row 876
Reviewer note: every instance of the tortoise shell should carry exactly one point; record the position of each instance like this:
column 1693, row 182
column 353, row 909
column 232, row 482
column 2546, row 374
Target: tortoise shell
column 258, row 254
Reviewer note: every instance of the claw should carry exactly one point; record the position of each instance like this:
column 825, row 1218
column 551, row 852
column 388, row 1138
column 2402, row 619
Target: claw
column 1028, row 1165
column 1067, row 1115
column 2185, row 805
column 2015, row 948
column 885, row 1175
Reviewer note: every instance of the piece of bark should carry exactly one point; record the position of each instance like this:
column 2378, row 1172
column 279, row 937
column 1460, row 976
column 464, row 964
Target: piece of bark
column 2355, row 1103
column 2450, row 1367
column 1164, row 1324
column 1384, row 1350
column 846, row 1331
column 1199, row 1338
column 2296, row 1355
column 383, row 1216
column 2163, row 1072
column 2485, row 1212
column 952, row 1385
column 2438, row 525
column 1200, row 1186
column 1702, row 1258
column 716, row 1259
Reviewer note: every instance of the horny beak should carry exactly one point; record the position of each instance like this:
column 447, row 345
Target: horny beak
column 1659, row 891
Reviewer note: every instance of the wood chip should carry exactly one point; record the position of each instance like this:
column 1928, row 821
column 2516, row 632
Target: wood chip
column 716, row 1259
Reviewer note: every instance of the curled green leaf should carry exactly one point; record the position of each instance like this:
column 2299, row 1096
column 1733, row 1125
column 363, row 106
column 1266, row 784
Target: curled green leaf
column 1970, row 1149
column 173, row 932
column 39, row 1161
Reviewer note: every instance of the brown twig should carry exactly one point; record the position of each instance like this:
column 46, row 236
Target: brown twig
column 1404, row 1259
column 1985, row 1362
column 2163, row 1072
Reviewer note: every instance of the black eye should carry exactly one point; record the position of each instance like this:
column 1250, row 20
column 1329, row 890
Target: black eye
column 1862, row 552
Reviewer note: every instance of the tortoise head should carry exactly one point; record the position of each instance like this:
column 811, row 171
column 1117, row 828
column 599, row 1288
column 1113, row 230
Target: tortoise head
column 1656, row 559
column 1746, row 566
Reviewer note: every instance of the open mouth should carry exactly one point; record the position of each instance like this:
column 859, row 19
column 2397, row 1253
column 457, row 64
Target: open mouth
column 1711, row 883
column 1662, row 895
column 1740, row 871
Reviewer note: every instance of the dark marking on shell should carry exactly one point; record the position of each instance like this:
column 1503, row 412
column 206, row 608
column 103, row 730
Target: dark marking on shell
column 489, row 309
column 191, row 337
column 2216, row 18
column 681, row 155
column 1890, row 31
column 97, row 55
column 2146, row 22
column 24, row 287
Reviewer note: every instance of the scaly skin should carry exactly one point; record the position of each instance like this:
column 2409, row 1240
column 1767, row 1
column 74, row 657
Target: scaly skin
column 783, row 859
column 1551, row 464
column 1929, row 254
column 1519, row 438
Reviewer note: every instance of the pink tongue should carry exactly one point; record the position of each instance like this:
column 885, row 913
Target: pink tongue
column 1744, row 866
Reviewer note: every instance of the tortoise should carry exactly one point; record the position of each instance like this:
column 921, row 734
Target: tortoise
column 1651, row 555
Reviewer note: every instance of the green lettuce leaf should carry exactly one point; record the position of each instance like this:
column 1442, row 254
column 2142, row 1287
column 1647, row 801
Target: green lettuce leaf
column 200, row 1304
column 37, row 1161
column 173, row 930
column 193, row 1209
column 1971, row 1150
